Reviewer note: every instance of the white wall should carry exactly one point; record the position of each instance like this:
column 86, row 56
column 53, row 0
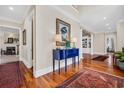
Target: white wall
column 25, row 50
column 120, row 36
column 99, row 43
column 45, row 32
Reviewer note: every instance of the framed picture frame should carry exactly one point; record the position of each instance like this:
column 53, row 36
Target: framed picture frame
column 10, row 40
column 64, row 29
column 24, row 36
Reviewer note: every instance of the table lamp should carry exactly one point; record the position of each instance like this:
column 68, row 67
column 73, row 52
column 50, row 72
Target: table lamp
column 74, row 40
column 58, row 39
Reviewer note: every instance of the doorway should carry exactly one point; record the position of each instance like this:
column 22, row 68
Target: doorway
column 9, row 44
column 87, row 43
column 31, row 43
column 110, row 43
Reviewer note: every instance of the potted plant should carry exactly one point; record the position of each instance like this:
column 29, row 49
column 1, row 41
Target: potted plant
column 123, row 49
column 118, row 55
column 121, row 62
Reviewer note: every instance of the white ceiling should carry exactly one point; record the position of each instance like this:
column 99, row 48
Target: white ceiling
column 101, row 18
column 91, row 16
column 14, row 13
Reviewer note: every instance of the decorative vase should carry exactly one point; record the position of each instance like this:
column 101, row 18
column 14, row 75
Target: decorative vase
column 117, row 62
column 121, row 65
column 67, row 44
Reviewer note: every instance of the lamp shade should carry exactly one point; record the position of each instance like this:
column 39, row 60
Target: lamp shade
column 74, row 39
column 58, row 38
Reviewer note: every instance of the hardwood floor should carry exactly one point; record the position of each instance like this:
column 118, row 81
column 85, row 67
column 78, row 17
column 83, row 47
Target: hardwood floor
column 53, row 79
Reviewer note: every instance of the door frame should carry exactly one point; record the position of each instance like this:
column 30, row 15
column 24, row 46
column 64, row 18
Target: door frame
column 33, row 40
column 14, row 27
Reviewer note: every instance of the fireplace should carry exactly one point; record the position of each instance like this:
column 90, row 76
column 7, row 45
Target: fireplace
column 10, row 51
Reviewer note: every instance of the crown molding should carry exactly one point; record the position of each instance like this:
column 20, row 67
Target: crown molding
column 68, row 11
column 6, row 23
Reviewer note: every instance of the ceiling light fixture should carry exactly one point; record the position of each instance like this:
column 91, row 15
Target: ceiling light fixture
column 107, row 24
column 11, row 8
column 104, row 18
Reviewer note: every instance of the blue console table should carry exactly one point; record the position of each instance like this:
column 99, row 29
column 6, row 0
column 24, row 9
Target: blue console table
column 64, row 54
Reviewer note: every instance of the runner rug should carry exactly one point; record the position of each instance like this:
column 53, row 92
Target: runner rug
column 10, row 75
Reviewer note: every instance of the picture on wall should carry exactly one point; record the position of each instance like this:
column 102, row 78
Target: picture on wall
column 10, row 40
column 63, row 28
column 24, row 36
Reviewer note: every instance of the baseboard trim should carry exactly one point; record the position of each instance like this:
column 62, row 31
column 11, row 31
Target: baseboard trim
column 25, row 63
column 42, row 72
column 98, row 53
column 49, row 69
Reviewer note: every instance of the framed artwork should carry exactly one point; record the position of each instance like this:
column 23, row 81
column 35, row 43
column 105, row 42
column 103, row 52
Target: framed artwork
column 24, row 36
column 84, row 43
column 63, row 28
column 10, row 40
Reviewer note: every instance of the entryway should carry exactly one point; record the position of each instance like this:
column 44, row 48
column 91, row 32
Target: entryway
column 9, row 44
column 110, row 42
column 87, row 43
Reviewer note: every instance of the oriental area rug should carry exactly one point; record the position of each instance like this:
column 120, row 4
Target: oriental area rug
column 87, row 78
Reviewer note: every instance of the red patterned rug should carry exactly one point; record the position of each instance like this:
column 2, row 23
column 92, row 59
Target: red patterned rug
column 10, row 75
column 100, row 58
column 92, row 79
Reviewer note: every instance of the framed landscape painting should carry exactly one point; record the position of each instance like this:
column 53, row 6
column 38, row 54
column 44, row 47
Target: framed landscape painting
column 63, row 28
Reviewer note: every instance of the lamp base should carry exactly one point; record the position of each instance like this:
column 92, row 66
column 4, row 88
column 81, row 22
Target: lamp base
column 57, row 47
column 74, row 46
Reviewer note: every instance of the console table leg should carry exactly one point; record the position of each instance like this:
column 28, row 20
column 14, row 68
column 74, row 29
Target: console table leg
column 53, row 65
column 59, row 66
column 78, row 60
column 65, row 65
column 74, row 61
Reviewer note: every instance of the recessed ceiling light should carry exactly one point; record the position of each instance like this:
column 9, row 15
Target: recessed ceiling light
column 104, row 18
column 11, row 8
column 107, row 24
